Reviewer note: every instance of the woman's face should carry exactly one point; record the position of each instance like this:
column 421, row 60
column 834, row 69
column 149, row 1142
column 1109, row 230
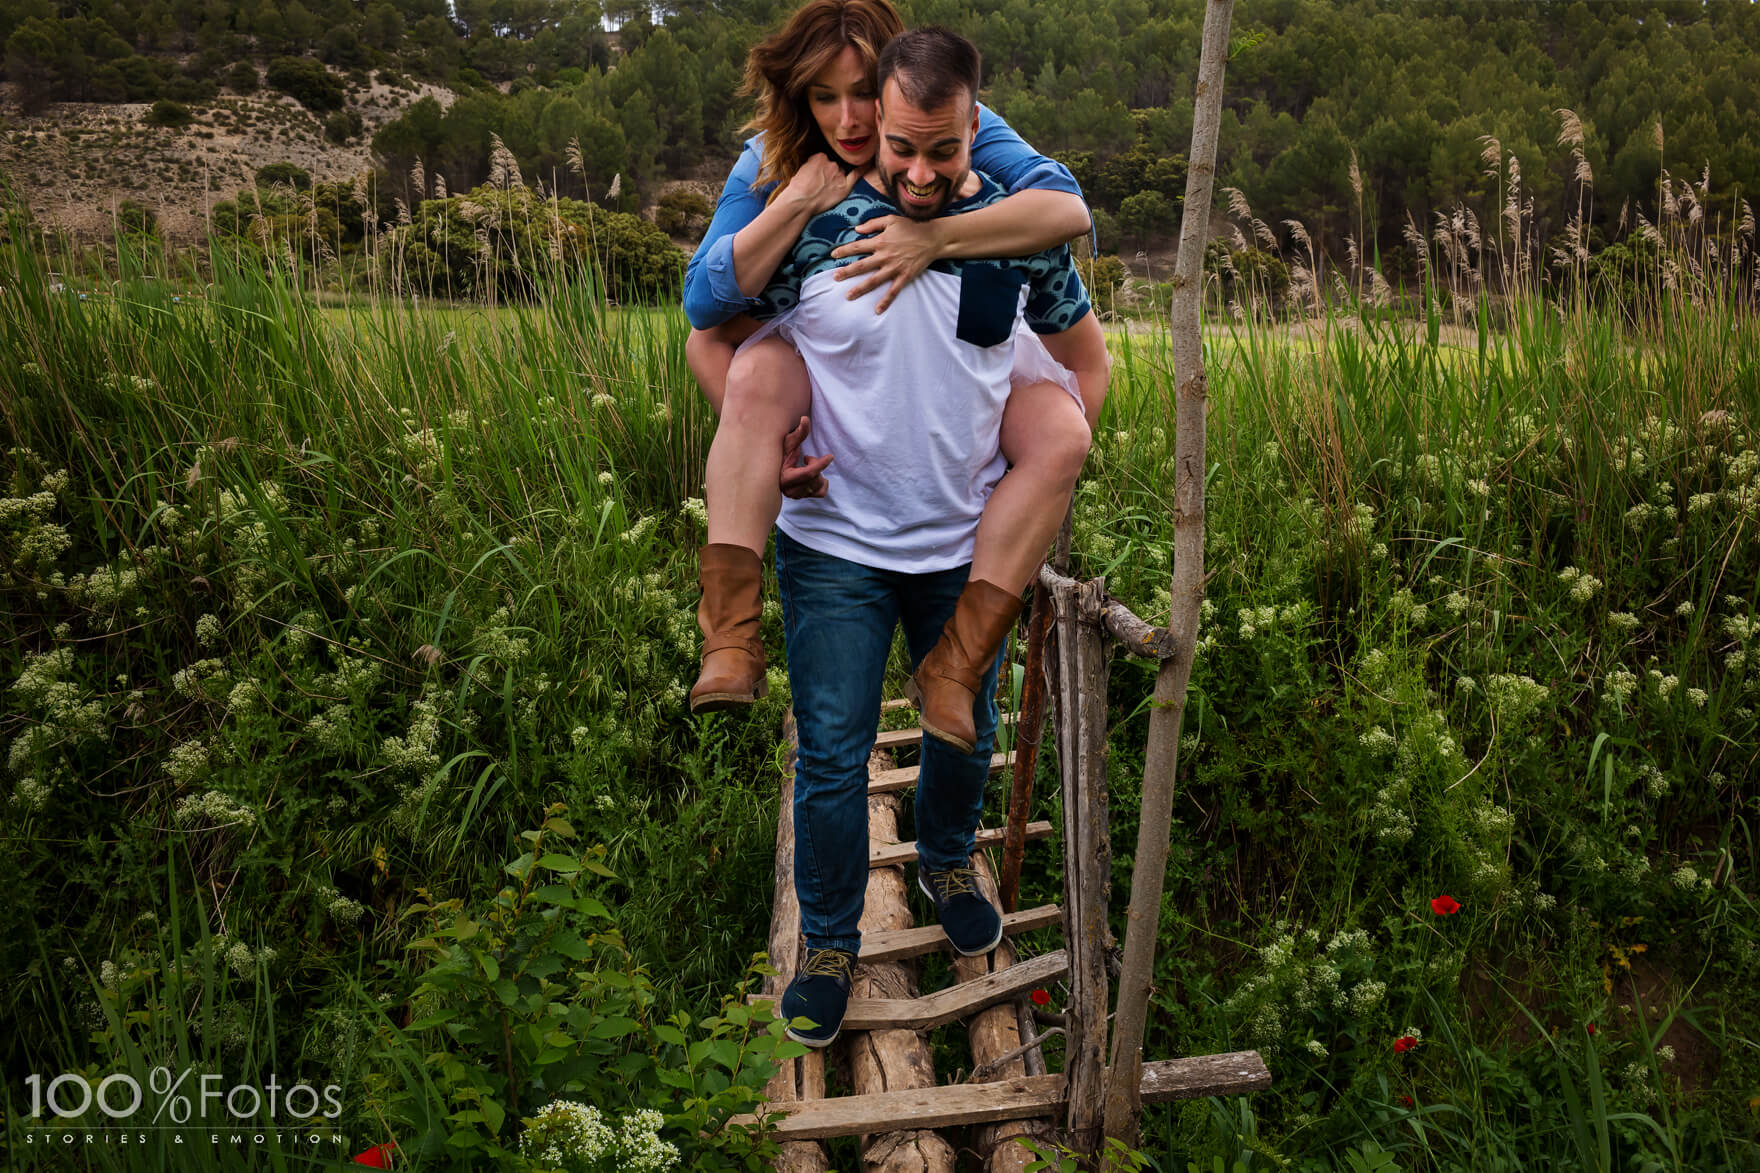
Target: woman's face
column 841, row 99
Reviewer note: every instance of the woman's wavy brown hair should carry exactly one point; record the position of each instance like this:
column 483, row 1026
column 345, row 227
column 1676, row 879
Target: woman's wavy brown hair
column 781, row 66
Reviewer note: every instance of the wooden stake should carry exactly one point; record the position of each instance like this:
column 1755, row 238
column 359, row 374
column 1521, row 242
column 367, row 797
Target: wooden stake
column 1028, row 730
column 1148, row 875
column 1081, row 739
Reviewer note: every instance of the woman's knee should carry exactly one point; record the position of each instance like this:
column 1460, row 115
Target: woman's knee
column 769, row 375
column 1049, row 435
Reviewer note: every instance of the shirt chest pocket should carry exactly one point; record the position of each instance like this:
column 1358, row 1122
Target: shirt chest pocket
column 989, row 299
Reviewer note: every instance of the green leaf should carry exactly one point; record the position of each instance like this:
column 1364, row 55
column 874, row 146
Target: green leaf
column 669, row 1034
column 559, row 826
column 557, row 862
column 615, row 1027
column 569, row 944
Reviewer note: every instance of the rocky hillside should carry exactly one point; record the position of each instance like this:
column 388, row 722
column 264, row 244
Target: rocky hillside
column 75, row 162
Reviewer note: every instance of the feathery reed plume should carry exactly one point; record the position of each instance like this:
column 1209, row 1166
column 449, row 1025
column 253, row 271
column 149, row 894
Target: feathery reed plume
column 1491, row 153
column 439, row 186
column 403, row 216
column 503, row 167
column 1570, row 128
column 1625, row 213
column 616, row 188
column 1380, row 294
column 1263, row 234
column 1240, row 240
column 1299, row 234
column 1350, row 252
column 576, row 162
column 1656, row 134
column 1671, row 204
column 1584, row 175
column 418, row 179
column 1705, row 182
column 1237, row 204
column 1356, row 175
column 1747, row 228
column 1414, row 238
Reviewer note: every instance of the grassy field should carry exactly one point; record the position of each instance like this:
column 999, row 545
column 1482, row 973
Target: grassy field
column 345, row 739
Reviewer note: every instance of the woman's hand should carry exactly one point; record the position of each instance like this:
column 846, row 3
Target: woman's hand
column 897, row 249
column 820, row 184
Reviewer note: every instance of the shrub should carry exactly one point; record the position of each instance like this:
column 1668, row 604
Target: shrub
column 242, row 78
column 291, row 174
column 306, row 82
column 683, row 212
column 343, row 125
column 136, row 220
column 165, row 112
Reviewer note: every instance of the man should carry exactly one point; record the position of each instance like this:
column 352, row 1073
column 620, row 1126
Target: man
column 912, row 405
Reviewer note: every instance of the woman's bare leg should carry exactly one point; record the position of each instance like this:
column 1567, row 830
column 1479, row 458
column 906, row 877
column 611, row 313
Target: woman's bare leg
column 767, row 393
column 1045, row 437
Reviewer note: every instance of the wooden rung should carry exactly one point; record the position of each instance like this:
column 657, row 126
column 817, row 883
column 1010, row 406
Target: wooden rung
column 886, row 855
column 955, row 1002
column 899, row 944
column 1011, row 1099
column 891, row 781
column 895, row 704
column 895, row 738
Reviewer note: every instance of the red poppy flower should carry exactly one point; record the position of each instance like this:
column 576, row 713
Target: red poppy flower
column 1403, row 1044
column 1445, row 906
column 1591, row 1028
column 377, row 1157
column 1405, row 1101
column 1041, row 998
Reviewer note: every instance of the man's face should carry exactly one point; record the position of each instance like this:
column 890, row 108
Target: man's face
column 924, row 155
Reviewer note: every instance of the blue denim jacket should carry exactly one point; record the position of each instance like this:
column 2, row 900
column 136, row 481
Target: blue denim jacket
column 711, row 291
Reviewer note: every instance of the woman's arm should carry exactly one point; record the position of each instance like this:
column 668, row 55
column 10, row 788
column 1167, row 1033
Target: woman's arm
column 1044, row 208
column 761, row 245
column 711, row 291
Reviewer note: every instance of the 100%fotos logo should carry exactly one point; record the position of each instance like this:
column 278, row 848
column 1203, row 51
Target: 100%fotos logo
column 121, row 1096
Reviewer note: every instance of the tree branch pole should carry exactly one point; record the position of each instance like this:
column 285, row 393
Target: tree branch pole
column 1123, row 1095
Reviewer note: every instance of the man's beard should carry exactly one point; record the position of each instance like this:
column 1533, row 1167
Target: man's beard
column 895, row 189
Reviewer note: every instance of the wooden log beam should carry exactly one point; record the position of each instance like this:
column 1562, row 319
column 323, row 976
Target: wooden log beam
column 925, row 939
column 891, row 1060
column 906, row 738
column 905, row 777
column 995, row 1039
column 1011, row 1099
column 885, row 855
column 804, row 1078
column 953, row 1003
column 1139, row 637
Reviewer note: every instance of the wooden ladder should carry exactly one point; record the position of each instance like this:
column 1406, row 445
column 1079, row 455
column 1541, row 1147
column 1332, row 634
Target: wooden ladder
column 899, row 1104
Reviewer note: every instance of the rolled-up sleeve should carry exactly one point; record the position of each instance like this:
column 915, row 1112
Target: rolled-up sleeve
column 1004, row 156
column 711, row 289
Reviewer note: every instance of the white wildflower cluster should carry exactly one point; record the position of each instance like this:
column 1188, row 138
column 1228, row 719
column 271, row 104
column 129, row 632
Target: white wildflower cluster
column 1636, row 1077
column 347, row 912
column 67, row 711
column 1427, row 469
column 1665, row 685
column 1684, row 609
column 1466, row 685
column 578, row 1137
column 106, row 588
column 208, row 630
column 1254, row 620
column 213, row 808
column 1622, row 621
column 1378, row 741
column 415, row 752
column 638, row 532
column 187, row 762
column 1583, row 587
column 601, row 400
column 606, row 479
column 662, row 414
column 492, row 639
column 352, row 677
column 1404, row 605
column 241, row 959
column 1656, row 783
column 1687, row 879
column 333, row 729
column 1618, row 686
column 245, row 697
column 192, row 682
column 1698, row 697
column 696, row 511
column 1642, row 517
column 1514, row 698
column 1298, row 977
column 31, row 794
column 1317, row 1049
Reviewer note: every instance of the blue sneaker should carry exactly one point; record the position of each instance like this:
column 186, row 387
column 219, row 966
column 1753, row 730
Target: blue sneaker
column 819, row 993
column 971, row 922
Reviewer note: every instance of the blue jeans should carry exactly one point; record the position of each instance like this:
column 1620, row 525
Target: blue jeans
column 838, row 618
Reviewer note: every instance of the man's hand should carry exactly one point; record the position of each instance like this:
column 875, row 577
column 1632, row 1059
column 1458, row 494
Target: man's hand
column 800, row 479
column 820, row 184
column 898, row 250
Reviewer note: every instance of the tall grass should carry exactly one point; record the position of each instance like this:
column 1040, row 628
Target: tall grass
column 313, row 609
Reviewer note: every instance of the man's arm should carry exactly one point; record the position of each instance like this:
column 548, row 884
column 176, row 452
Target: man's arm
column 1082, row 349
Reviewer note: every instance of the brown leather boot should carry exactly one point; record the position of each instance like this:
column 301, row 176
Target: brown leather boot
column 732, row 676
column 947, row 679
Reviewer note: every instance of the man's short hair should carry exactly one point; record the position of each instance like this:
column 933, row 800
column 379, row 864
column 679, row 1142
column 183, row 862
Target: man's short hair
column 933, row 66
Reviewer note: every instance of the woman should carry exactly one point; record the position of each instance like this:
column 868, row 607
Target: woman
column 816, row 113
